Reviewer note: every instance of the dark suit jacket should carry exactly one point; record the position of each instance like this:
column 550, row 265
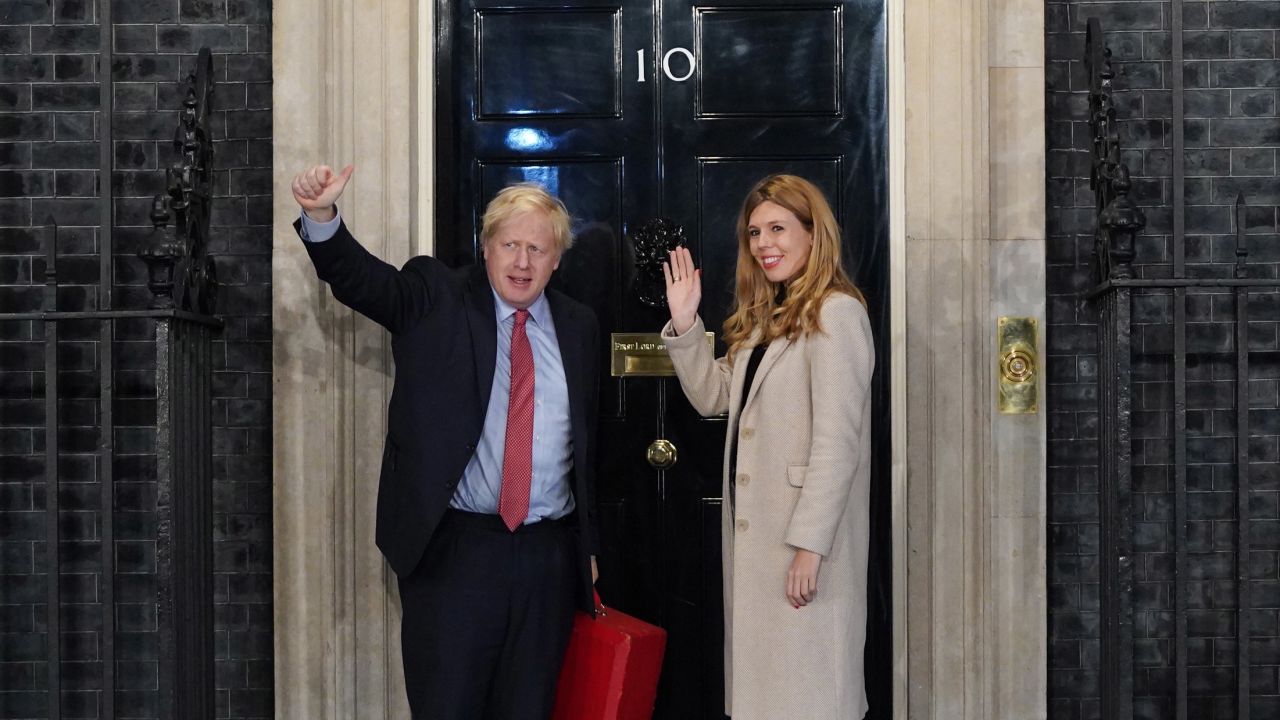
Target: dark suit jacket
column 444, row 337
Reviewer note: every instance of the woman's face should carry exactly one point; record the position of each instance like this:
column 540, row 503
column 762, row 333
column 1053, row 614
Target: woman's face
column 779, row 242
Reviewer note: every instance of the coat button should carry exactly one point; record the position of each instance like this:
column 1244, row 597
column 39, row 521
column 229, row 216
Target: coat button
column 747, row 433
column 743, row 479
column 743, row 525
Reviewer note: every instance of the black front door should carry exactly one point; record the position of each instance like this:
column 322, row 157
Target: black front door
column 631, row 109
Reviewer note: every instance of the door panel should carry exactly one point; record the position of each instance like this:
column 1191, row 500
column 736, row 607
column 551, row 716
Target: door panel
column 582, row 79
column 746, row 72
column 552, row 92
column 539, row 84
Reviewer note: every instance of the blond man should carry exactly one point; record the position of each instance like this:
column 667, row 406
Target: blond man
column 486, row 507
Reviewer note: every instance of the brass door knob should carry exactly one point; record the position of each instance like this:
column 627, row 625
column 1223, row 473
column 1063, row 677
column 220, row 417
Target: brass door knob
column 661, row 454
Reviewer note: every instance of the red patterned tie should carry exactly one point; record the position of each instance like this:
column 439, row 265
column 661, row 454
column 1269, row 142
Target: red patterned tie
column 517, row 457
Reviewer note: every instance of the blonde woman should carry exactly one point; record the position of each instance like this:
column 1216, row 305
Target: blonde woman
column 796, row 386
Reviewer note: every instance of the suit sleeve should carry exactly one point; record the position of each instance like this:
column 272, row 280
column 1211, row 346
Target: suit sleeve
column 841, row 358
column 592, row 333
column 704, row 379
column 395, row 299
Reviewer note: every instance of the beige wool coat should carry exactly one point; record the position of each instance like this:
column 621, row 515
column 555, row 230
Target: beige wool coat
column 803, row 481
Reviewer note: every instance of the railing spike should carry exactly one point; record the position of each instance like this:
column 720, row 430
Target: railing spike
column 1242, row 246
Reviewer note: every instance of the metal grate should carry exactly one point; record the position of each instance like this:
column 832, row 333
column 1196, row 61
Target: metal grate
column 1126, row 582
column 181, row 325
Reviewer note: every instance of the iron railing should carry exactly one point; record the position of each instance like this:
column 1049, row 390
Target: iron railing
column 182, row 326
column 1119, row 221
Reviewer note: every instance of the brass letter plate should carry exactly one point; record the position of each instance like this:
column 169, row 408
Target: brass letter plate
column 643, row 355
column 1018, row 374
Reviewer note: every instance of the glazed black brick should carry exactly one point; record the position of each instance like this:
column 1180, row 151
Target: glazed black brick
column 135, row 38
column 1243, row 15
column 1253, row 103
column 135, row 96
column 202, row 11
column 1253, row 44
column 249, row 124
column 74, row 67
column 1117, row 15
column 249, row 67
column 25, row 68
column 64, row 155
column 136, row 155
column 1197, row 103
column 144, row 11
column 15, row 211
column 25, row 184
column 15, row 39
column 74, row 126
column 218, row 38
column 1254, row 161
column 1245, row 73
column 251, row 182
column 145, row 126
column 24, row 12
column 49, row 165
column 141, row 68
column 67, row 211
column 15, row 97
column 1196, row 45
column 73, row 10
column 1256, row 191
column 1231, row 98
column 139, row 185
column 259, row 35
column 65, row 38
column 1251, row 132
column 26, row 127
column 64, row 96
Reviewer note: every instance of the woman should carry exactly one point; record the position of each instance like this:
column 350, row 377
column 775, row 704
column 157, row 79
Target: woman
column 795, row 383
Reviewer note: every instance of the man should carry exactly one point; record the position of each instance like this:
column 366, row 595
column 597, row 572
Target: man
column 485, row 501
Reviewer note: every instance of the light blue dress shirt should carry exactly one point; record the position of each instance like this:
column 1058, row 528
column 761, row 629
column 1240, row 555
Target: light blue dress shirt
column 550, row 496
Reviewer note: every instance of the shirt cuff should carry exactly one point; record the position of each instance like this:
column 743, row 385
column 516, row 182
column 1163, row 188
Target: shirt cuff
column 318, row 232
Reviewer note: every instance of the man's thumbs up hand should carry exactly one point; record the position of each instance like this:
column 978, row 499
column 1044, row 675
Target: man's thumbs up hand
column 318, row 188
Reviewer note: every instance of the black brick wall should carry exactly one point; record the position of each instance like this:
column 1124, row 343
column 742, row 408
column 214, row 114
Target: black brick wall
column 1232, row 79
column 49, row 145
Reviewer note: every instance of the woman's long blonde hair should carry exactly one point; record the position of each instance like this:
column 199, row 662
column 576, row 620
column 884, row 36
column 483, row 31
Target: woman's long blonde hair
column 756, row 299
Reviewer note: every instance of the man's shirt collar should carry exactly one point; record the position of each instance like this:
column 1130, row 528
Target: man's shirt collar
column 539, row 311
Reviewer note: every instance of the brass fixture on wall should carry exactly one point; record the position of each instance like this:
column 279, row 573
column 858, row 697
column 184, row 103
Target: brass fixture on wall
column 1019, row 366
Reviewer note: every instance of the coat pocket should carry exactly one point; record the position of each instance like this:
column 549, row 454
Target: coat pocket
column 795, row 475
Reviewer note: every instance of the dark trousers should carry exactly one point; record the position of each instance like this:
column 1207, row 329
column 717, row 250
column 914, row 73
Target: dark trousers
column 487, row 617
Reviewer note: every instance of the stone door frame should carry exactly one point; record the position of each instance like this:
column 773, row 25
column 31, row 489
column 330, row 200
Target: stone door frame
column 353, row 82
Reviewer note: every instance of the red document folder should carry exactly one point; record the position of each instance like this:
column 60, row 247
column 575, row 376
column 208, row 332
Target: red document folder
column 611, row 669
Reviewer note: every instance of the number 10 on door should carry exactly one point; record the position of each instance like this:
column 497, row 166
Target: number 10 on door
column 666, row 64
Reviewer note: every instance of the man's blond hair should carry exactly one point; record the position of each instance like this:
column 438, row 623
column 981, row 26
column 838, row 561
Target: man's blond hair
column 515, row 199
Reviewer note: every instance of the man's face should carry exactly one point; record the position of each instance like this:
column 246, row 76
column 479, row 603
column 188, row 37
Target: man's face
column 520, row 257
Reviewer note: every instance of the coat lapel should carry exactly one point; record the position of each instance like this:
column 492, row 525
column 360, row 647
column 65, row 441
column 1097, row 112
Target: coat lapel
column 571, row 357
column 484, row 332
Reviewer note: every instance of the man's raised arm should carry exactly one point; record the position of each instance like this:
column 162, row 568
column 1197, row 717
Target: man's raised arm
column 392, row 298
